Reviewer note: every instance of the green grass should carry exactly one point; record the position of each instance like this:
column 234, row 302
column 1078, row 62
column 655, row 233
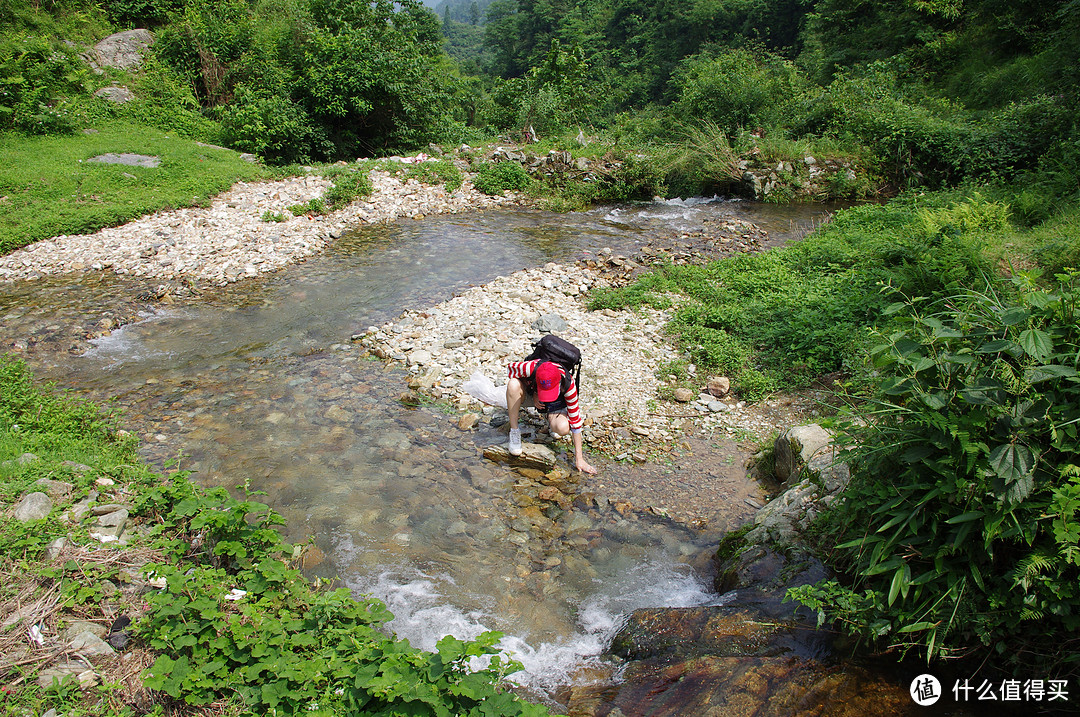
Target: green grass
column 48, row 187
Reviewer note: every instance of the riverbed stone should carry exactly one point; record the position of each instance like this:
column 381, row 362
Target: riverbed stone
column 685, row 395
column 78, row 627
column 128, row 159
column 719, row 386
column 117, row 94
column 549, row 324
column 116, row 518
column 57, row 489
column 26, row 459
column 796, row 446
column 89, row 644
column 35, row 506
column 533, row 455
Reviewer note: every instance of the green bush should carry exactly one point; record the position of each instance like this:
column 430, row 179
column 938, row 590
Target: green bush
column 738, row 89
column 494, row 178
column 959, row 531
column 348, row 185
column 273, row 127
column 36, row 76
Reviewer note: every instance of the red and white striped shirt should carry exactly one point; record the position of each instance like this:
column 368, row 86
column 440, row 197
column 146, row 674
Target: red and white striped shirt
column 526, row 369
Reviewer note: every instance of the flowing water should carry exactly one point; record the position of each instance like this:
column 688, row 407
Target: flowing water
column 259, row 386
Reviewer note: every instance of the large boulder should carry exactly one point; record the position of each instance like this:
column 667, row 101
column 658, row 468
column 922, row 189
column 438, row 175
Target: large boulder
column 34, row 506
column 123, row 51
column 795, row 448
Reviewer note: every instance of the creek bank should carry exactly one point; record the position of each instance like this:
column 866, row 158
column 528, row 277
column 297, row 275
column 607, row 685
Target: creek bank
column 233, row 239
column 750, row 652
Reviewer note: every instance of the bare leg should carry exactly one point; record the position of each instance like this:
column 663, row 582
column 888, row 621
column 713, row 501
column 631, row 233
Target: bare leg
column 515, row 395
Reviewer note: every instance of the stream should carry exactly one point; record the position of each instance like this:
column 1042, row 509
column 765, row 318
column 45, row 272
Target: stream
column 258, row 385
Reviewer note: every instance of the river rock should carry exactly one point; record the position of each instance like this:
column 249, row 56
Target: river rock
column 685, row 395
column 63, row 669
column 714, row 630
column 719, row 386
column 116, row 518
column 35, row 506
column 54, row 548
column 26, row 459
column 127, row 159
column 79, row 627
column 763, row 686
column 55, row 488
column 115, row 94
column 88, row 644
column 795, row 447
column 533, row 455
column 549, row 324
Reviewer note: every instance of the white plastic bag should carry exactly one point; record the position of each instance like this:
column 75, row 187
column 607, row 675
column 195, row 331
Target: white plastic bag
column 484, row 389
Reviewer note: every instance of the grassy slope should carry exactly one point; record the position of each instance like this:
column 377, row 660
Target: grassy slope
column 48, row 187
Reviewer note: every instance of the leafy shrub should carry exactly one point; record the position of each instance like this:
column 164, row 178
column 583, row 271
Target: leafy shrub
column 163, row 99
column 35, row 76
column 273, row 127
column 140, row 13
column 497, row 177
column 922, row 139
column 737, row 89
column 959, row 531
column 348, row 185
column 554, row 95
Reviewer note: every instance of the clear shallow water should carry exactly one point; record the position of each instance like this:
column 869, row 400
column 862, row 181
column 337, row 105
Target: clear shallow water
column 260, row 386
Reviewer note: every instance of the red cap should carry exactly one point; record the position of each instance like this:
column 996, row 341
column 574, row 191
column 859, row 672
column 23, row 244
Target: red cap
column 548, row 382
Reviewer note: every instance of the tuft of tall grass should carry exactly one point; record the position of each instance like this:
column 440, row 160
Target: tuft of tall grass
column 703, row 161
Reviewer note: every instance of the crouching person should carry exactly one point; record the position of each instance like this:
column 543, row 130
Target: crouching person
column 548, row 387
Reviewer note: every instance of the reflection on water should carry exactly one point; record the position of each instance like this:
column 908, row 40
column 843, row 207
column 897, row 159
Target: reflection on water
column 260, row 386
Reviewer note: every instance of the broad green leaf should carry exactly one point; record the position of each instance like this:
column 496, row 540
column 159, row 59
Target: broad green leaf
column 922, row 363
column 1036, row 343
column 1011, row 461
column 916, row 627
column 997, row 346
column 916, row 453
column 1015, row 315
column 1037, row 374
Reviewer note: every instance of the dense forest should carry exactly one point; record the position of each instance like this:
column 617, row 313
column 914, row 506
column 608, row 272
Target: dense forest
column 950, row 311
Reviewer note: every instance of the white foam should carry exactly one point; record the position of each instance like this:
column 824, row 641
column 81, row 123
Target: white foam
column 126, row 344
column 424, row 612
column 683, row 214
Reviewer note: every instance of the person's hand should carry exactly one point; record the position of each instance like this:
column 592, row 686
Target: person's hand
column 583, row 466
